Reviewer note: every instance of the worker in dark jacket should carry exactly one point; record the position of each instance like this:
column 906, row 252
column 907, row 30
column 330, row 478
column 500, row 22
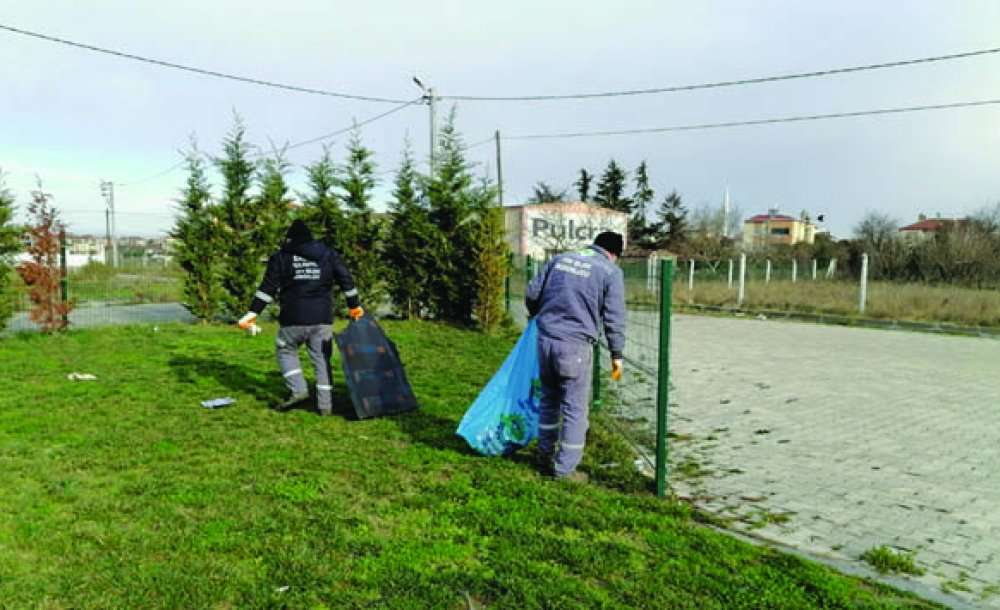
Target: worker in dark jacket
column 574, row 296
column 301, row 276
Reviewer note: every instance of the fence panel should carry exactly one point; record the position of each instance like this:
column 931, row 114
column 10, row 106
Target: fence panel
column 102, row 295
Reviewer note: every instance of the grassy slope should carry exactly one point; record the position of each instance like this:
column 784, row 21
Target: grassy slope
column 125, row 493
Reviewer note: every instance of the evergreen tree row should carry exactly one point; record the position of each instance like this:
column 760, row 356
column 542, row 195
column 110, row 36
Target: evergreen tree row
column 438, row 253
column 10, row 244
column 669, row 229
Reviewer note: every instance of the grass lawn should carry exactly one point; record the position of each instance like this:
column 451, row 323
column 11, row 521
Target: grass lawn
column 125, row 493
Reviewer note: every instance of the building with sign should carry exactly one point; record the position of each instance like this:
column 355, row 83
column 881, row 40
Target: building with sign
column 541, row 230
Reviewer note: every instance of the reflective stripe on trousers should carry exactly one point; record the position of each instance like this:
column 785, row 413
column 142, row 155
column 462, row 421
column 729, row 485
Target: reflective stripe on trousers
column 318, row 340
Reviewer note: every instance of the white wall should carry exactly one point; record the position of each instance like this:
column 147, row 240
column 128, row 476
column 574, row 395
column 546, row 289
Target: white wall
column 535, row 230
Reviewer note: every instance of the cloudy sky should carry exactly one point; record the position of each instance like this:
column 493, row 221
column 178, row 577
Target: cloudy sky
column 74, row 117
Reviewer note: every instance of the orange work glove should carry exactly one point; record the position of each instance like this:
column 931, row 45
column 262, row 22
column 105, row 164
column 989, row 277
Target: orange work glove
column 616, row 369
column 356, row 313
column 248, row 321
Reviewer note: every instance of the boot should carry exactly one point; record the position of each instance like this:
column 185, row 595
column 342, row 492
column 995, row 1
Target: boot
column 574, row 477
column 293, row 401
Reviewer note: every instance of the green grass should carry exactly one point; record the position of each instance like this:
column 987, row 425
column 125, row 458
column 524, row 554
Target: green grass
column 887, row 561
column 125, row 493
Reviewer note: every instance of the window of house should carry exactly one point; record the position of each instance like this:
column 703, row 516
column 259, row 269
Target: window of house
column 784, row 231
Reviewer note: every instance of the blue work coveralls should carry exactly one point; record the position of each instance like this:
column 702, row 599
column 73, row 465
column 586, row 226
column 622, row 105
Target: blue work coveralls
column 572, row 298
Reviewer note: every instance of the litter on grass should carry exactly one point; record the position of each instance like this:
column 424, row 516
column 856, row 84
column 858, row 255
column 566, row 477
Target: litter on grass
column 218, row 403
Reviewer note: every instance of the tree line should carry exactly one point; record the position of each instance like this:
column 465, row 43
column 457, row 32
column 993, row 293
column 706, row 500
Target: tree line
column 672, row 226
column 965, row 251
column 438, row 253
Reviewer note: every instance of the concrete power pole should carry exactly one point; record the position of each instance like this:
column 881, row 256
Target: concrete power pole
column 499, row 172
column 431, row 101
column 432, row 105
column 108, row 190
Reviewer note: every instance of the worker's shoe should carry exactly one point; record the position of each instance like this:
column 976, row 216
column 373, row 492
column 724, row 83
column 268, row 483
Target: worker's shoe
column 573, row 477
column 293, row 401
column 543, row 462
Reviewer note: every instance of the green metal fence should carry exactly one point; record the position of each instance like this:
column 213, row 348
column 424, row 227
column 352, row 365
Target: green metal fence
column 103, row 295
column 636, row 406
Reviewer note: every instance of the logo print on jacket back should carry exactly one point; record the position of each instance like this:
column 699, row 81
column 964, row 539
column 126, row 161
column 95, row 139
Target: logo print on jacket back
column 305, row 269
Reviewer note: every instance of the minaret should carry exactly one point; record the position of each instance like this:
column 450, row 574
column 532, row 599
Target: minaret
column 725, row 213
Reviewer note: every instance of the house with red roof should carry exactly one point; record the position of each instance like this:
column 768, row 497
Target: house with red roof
column 775, row 228
column 926, row 228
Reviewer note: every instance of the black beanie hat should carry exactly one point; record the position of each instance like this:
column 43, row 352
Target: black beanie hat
column 610, row 241
column 298, row 233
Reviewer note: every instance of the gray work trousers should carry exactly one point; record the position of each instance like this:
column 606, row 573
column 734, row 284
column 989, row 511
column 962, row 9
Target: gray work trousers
column 319, row 343
column 565, row 374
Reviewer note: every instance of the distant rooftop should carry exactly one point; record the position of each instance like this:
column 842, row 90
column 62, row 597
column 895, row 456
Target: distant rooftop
column 932, row 225
column 762, row 218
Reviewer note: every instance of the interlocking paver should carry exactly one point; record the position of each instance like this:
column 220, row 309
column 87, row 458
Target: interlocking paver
column 888, row 437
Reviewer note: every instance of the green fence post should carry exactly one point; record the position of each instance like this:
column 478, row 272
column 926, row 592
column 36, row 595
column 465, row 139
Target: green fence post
column 63, row 275
column 595, row 396
column 506, row 282
column 663, row 375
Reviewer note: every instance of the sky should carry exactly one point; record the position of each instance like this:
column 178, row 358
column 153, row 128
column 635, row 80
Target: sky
column 73, row 118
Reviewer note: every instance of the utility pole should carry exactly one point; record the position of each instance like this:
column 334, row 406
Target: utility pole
column 431, row 100
column 108, row 190
column 107, row 236
column 432, row 104
column 499, row 172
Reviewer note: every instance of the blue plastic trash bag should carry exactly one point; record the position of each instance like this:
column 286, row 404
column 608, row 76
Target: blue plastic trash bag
column 504, row 417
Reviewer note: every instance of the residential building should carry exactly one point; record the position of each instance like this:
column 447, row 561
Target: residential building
column 926, row 228
column 774, row 228
column 541, row 230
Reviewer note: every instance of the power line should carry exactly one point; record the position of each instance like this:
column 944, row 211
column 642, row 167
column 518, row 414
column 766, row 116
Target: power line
column 202, row 71
column 353, row 126
column 790, row 119
column 480, row 143
column 720, row 84
column 258, row 155
column 159, row 174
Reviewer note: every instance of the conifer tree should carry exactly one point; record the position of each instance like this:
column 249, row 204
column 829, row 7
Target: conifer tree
column 611, row 189
column 196, row 251
column 492, row 259
column 42, row 272
column 412, row 243
column 583, row 185
column 545, row 193
column 672, row 228
column 361, row 239
column 240, row 255
column 450, row 193
column 321, row 208
column 639, row 227
column 272, row 205
column 10, row 244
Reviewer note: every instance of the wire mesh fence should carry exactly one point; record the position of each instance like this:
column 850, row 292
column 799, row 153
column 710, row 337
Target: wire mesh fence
column 831, row 288
column 631, row 404
column 133, row 293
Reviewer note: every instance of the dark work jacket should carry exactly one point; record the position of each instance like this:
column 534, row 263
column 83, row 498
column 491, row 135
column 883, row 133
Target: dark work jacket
column 301, row 277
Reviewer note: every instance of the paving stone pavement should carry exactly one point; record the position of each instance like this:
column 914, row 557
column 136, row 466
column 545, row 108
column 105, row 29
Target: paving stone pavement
column 836, row 440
